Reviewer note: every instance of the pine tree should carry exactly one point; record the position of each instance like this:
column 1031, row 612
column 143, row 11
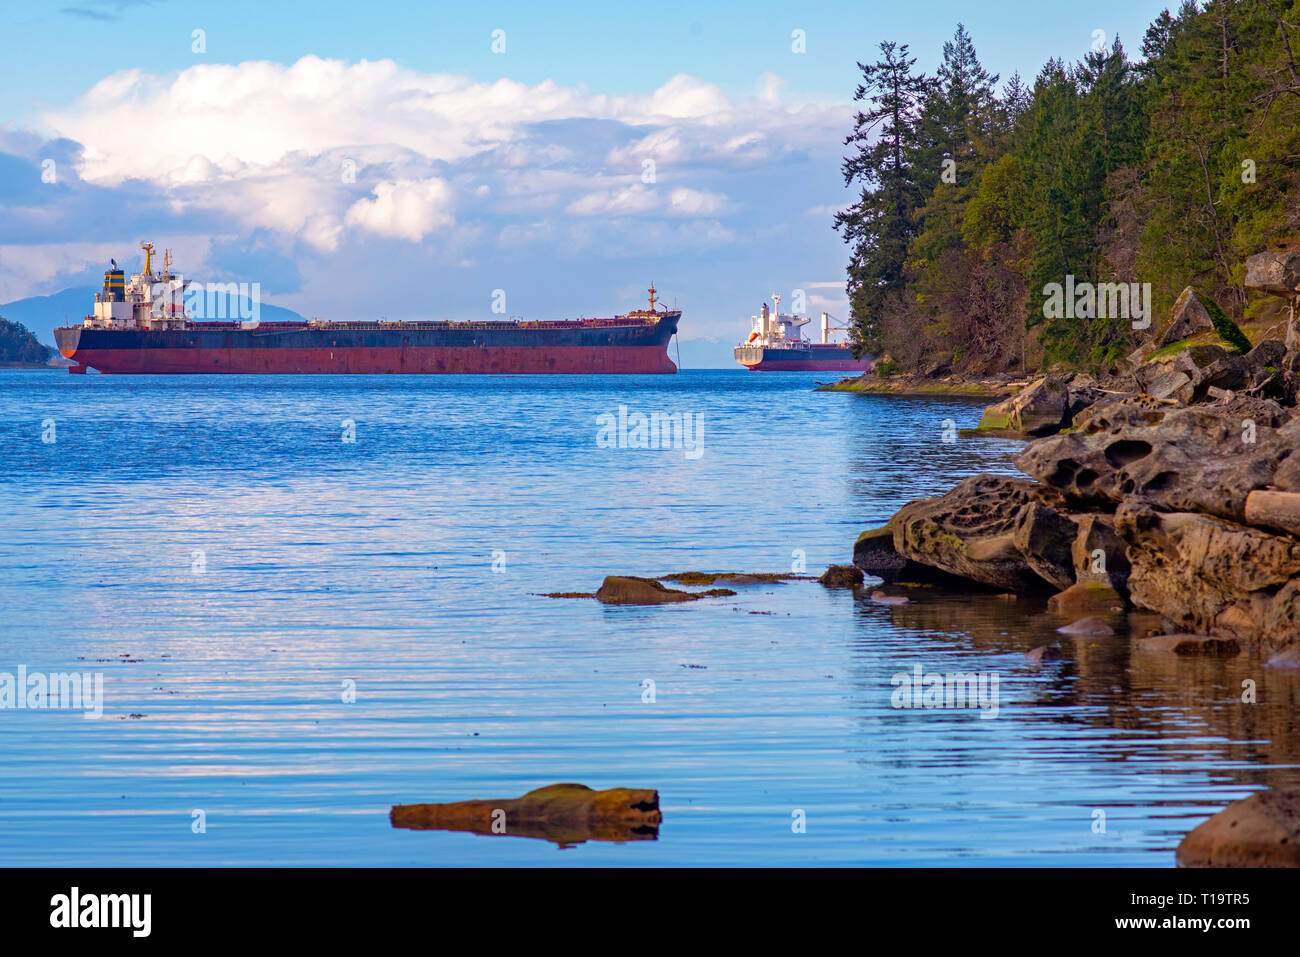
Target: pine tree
column 881, row 224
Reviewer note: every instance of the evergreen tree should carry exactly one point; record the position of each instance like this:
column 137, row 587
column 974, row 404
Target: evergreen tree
column 881, row 224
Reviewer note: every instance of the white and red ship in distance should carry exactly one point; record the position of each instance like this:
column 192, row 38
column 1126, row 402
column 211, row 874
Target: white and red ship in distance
column 776, row 344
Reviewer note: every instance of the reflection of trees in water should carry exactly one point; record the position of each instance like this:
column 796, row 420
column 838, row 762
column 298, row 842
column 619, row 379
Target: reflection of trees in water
column 1107, row 683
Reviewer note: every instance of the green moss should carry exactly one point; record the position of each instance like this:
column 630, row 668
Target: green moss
column 1170, row 350
column 1228, row 330
column 875, row 533
column 993, row 420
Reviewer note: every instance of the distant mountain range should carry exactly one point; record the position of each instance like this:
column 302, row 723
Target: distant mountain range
column 41, row 314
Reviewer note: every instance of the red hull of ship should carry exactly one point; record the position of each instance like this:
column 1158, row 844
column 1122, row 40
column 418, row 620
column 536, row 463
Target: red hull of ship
column 822, row 365
column 500, row 360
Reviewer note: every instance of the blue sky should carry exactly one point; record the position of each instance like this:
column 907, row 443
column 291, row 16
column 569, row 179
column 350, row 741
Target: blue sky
column 363, row 160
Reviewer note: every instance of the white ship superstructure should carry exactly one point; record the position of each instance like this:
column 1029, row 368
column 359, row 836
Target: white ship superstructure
column 147, row 301
column 776, row 343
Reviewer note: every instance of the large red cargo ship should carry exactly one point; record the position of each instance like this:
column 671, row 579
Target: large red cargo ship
column 144, row 327
column 776, row 344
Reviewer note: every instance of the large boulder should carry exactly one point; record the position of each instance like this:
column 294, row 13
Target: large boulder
column 1275, row 272
column 1186, row 319
column 1039, row 409
column 1004, row 532
column 1262, row 830
column 1200, row 458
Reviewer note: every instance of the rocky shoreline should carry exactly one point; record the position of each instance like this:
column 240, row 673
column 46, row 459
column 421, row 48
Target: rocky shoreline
column 1171, row 486
column 1160, row 501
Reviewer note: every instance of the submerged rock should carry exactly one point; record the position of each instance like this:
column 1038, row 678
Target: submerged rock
column 630, row 590
column 1087, row 626
column 563, row 813
column 1044, row 653
column 841, row 576
column 882, row 598
column 1287, row 658
column 1086, row 598
column 1203, row 645
column 731, row 578
column 1262, row 830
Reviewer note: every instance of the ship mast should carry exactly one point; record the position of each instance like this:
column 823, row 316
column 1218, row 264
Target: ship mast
column 652, row 296
column 148, row 258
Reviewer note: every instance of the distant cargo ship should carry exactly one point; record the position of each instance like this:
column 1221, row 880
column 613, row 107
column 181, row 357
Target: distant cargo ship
column 776, row 344
column 142, row 326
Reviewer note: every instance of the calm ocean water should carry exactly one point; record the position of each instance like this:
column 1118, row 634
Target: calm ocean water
column 231, row 566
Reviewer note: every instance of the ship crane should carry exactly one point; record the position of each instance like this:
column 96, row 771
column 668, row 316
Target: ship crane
column 827, row 328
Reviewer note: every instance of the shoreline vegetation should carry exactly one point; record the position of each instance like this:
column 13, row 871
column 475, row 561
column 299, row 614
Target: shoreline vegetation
column 1004, row 227
column 20, row 349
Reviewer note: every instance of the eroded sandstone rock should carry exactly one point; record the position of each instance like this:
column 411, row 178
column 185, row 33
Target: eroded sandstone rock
column 1188, row 459
column 983, row 529
column 1262, row 830
column 1100, row 556
column 875, row 554
column 1212, row 576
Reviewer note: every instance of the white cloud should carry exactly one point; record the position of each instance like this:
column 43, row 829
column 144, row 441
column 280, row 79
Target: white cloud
column 262, row 145
column 633, row 200
column 695, row 202
column 408, row 209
